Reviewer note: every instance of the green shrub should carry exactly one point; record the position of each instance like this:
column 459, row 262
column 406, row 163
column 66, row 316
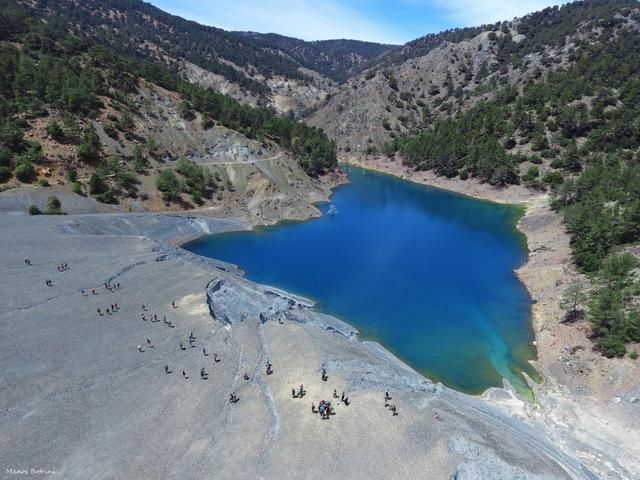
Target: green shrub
column 612, row 347
column 55, row 131
column 76, row 187
column 5, row 174
column 72, row 174
column 54, row 207
column 111, row 131
column 90, row 147
column 33, row 154
column 107, row 197
column 97, row 184
column 169, row 185
column 139, row 160
column 553, row 178
column 6, row 157
column 557, row 163
column 24, row 172
column 34, row 210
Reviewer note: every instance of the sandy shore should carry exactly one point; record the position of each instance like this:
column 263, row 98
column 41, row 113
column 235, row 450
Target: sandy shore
column 80, row 400
column 589, row 404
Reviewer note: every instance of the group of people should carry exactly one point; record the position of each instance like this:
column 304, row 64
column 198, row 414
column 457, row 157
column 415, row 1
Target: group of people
column 113, row 308
column 324, row 409
column 112, row 287
column 204, row 375
column 301, row 392
column 390, row 406
column 62, row 267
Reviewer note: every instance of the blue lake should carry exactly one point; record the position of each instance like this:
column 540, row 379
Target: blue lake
column 427, row 273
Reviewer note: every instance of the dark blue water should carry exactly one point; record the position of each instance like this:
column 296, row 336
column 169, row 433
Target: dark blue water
column 427, row 273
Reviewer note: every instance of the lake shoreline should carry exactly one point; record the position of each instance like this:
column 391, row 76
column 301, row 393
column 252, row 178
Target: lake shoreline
column 274, row 256
column 581, row 391
column 533, row 205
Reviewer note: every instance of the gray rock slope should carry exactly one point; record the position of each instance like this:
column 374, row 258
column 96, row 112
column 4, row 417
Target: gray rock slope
column 79, row 399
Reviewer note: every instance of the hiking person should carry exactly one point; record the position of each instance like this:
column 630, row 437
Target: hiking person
column 140, row 349
column 166, row 369
column 184, row 374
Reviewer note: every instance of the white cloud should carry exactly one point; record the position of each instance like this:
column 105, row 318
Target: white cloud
column 475, row 12
column 353, row 19
column 305, row 19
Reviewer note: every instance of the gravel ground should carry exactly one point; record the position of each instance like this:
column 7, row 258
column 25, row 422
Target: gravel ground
column 78, row 399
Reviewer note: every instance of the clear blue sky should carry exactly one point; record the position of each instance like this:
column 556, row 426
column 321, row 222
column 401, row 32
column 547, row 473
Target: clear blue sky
column 390, row 21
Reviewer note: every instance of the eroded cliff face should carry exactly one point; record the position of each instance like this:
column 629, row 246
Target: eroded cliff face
column 287, row 96
column 258, row 181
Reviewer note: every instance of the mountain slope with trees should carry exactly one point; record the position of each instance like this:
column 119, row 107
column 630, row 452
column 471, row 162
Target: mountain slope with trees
column 80, row 112
column 252, row 68
column 335, row 59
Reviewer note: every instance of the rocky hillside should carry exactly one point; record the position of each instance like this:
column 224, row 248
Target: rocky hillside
column 82, row 121
column 335, row 59
column 435, row 76
column 286, row 74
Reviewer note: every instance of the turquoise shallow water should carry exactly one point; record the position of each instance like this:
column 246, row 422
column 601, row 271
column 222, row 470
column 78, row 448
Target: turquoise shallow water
column 427, row 273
